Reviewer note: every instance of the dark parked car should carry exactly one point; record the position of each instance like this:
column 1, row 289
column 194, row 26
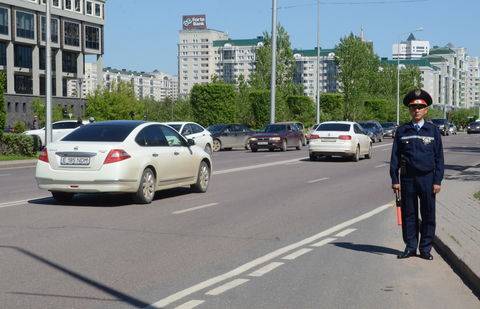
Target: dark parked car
column 442, row 124
column 228, row 136
column 374, row 130
column 278, row 136
column 473, row 127
column 389, row 129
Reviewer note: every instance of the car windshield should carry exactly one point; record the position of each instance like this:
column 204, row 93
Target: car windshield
column 100, row 133
column 438, row 121
column 275, row 128
column 367, row 125
column 216, row 128
column 177, row 127
column 388, row 125
column 333, row 127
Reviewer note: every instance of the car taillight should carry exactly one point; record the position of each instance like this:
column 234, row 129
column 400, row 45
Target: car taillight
column 314, row 136
column 345, row 137
column 43, row 155
column 116, row 155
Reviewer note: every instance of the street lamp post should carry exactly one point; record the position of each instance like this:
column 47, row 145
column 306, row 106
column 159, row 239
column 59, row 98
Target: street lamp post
column 48, row 78
column 274, row 61
column 398, row 73
column 318, row 62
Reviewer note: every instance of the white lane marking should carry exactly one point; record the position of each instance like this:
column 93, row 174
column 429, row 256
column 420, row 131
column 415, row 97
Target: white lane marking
column 227, row 286
column 16, row 167
column 296, row 254
column 345, row 232
column 1, row 175
column 194, row 208
column 252, row 167
column 20, row 202
column 381, row 146
column 386, row 149
column 262, row 271
column 318, row 180
column 323, row 242
column 190, row 304
column 263, row 259
column 382, row 165
column 293, row 163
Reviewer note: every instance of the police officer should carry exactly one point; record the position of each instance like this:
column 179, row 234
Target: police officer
column 417, row 155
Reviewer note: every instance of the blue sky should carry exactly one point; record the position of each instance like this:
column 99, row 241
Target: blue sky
column 143, row 34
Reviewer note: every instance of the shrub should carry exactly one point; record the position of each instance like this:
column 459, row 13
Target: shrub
column 19, row 127
column 17, row 144
column 213, row 103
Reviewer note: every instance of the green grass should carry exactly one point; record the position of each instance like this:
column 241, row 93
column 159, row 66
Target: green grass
column 15, row 157
column 477, row 195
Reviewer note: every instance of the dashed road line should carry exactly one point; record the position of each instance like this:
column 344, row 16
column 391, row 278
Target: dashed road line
column 297, row 254
column 345, row 232
column 268, row 268
column 190, row 304
column 381, row 146
column 293, row 163
column 382, row 165
column 227, row 286
column 323, row 242
column 256, row 166
column 194, row 208
column 3, row 175
column 317, row 180
column 20, row 202
column 263, row 259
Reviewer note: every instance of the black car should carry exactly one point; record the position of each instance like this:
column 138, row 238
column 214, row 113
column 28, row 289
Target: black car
column 442, row 124
column 473, row 127
column 389, row 129
column 228, row 136
column 374, row 130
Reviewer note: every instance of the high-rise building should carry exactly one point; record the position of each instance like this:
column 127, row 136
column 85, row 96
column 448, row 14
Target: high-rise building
column 473, row 81
column 76, row 31
column 306, row 69
column 411, row 48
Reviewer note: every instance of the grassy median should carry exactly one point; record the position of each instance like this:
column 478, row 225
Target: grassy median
column 477, row 195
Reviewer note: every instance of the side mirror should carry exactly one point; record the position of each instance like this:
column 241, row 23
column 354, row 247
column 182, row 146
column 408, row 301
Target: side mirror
column 191, row 142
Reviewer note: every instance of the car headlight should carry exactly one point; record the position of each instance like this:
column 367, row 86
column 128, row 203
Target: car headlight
column 274, row 138
column 252, row 139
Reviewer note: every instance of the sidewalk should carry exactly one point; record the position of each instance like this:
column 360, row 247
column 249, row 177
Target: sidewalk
column 458, row 224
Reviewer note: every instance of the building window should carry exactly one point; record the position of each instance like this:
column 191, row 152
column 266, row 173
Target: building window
column 73, row 5
column 69, row 62
column 3, row 53
column 89, row 8
column 23, row 56
column 98, row 9
column 25, row 25
column 53, row 29
column 9, row 107
column 92, row 37
column 16, row 107
column 56, row 3
column 43, row 59
column 3, row 20
column 72, row 33
column 23, row 85
column 24, row 107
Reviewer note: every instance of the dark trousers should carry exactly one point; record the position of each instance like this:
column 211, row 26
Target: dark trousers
column 415, row 188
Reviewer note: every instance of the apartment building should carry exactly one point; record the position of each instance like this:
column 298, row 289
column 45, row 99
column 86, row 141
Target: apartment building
column 410, row 49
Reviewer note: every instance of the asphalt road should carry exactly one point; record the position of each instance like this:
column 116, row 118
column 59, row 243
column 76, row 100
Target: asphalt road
column 274, row 231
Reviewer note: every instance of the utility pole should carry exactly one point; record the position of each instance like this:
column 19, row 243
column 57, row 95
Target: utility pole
column 274, row 61
column 318, row 62
column 48, row 78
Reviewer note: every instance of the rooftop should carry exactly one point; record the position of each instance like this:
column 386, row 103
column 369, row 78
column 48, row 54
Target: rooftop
column 441, row 51
column 240, row 42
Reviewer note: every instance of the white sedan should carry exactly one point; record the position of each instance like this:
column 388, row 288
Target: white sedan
column 339, row 138
column 59, row 130
column 122, row 156
column 192, row 130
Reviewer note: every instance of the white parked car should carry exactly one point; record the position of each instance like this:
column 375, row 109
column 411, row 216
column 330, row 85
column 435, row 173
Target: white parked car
column 122, row 156
column 339, row 138
column 192, row 130
column 59, row 130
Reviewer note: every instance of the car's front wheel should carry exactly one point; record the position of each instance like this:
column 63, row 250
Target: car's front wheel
column 146, row 189
column 284, row 145
column 203, row 178
column 217, row 145
column 62, row 197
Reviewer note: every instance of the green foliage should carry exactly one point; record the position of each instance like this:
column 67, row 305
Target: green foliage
column 260, row 107
column 115, row 104
column 302, row 109
column 167, row 110
column 462, row 117
column 243, row 112
column 38, row 107
column 19, row 127
column 3, row 114
column 213, row 103
column 17, row 144
column 331, row 106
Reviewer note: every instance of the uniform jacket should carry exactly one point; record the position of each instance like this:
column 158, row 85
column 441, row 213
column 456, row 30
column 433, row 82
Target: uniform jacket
column 421, row 151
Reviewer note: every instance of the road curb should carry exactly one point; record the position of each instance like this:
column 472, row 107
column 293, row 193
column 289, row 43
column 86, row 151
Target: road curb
column 469, row 277
column 17, row 163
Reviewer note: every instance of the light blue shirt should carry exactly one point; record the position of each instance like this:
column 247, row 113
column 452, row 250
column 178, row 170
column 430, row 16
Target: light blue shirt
column 419, row 124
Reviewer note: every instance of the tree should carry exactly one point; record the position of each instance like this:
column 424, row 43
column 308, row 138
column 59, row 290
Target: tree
column 213, row 103
column 38, row 107
column 260, row 107
column 118, row 103
column 358, row 66
column 3, row 115
column 243, row 112
column 331, row 106
column 301, row 109
column 462, row 117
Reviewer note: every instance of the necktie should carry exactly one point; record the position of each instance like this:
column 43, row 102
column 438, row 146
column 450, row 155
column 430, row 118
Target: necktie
column 417, row 127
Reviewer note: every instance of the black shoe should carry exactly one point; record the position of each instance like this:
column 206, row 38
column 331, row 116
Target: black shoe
column 426, row 256
column 406, row 254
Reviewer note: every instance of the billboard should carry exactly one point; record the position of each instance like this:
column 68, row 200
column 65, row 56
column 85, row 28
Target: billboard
column 190, row 22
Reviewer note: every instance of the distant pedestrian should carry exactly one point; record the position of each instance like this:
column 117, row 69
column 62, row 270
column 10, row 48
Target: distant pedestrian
column 35, row 123
column 417, row 153
column 79, row 121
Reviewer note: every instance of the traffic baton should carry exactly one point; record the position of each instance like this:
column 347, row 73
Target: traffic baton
column 398, row 203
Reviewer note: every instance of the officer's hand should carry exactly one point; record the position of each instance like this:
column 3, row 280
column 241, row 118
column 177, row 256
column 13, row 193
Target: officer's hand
column 437, row 189
column 396, row 188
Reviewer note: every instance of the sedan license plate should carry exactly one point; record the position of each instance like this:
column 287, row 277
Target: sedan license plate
column 328, row 140
column 75, row 161
column 262, row 143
